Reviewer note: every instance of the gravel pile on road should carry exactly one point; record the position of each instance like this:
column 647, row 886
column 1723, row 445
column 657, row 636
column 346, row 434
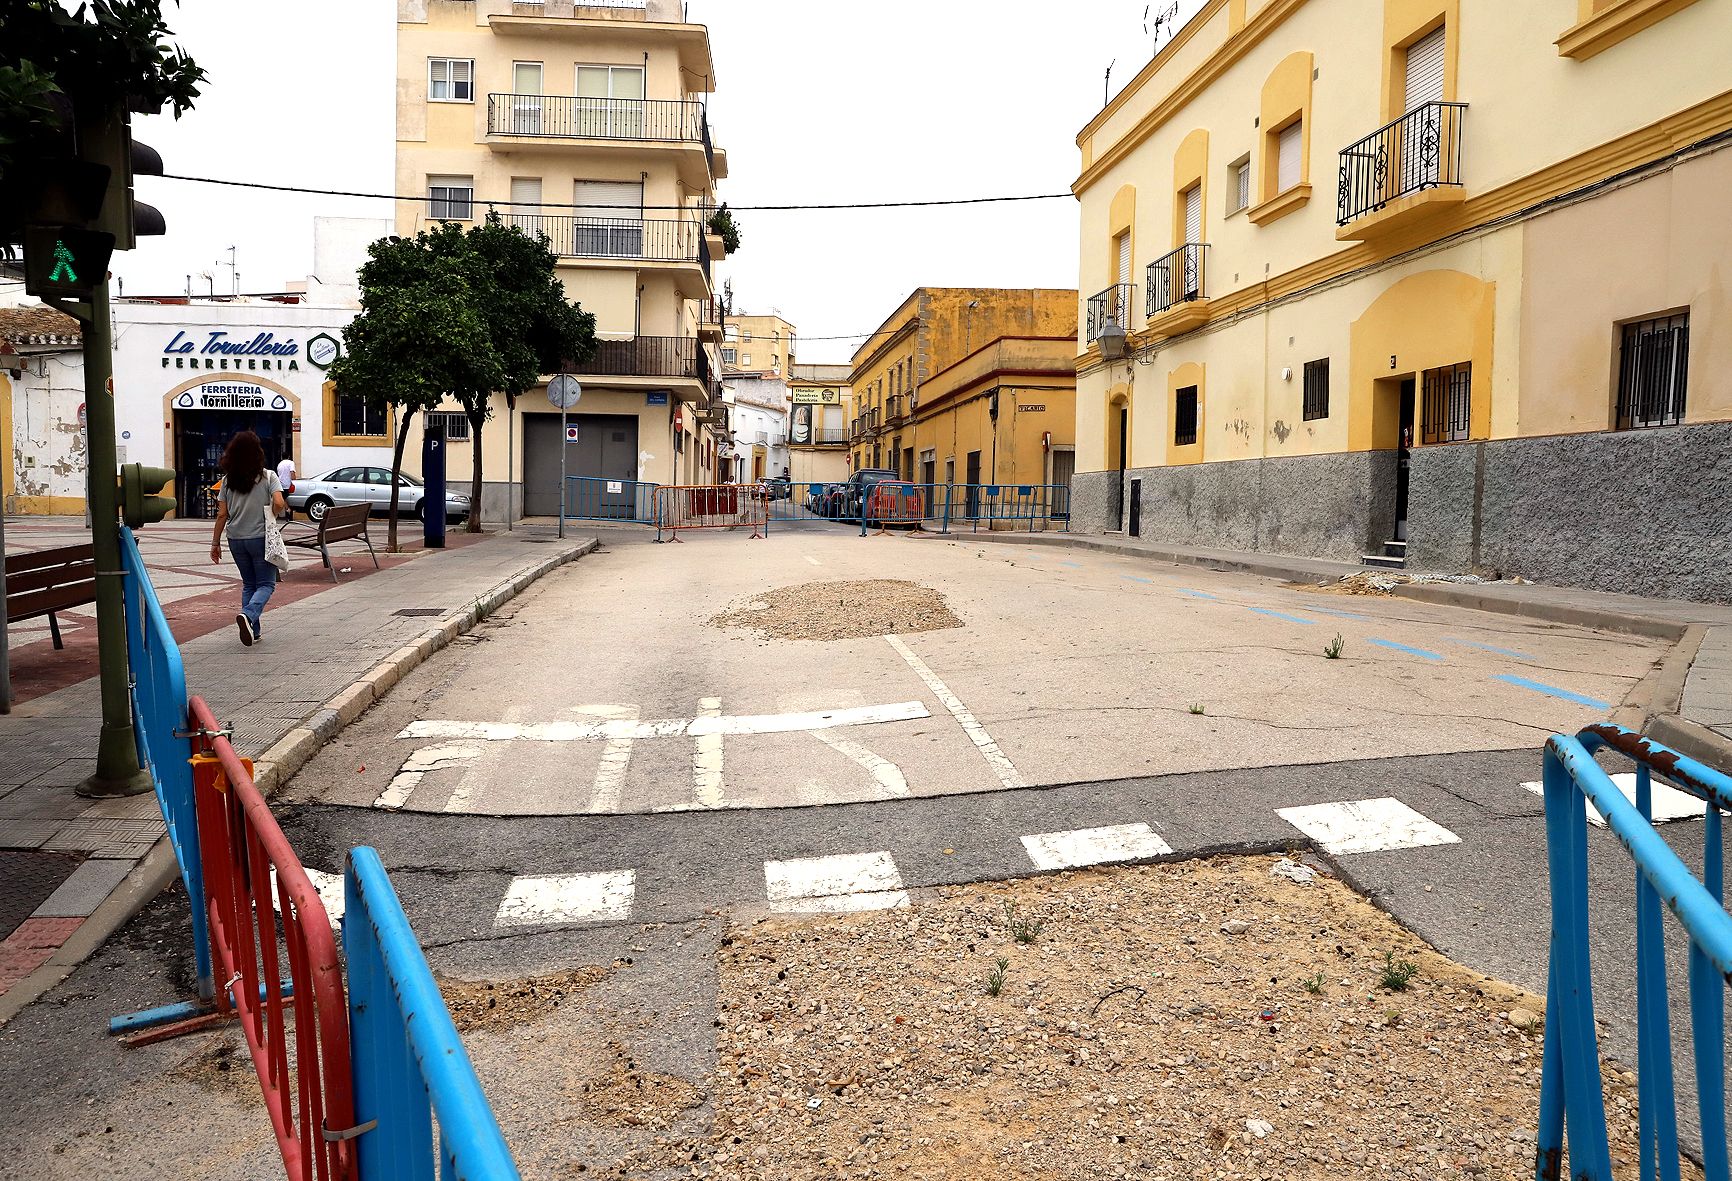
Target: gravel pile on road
column 503, row 1004
column 1173, row 1021
column 1374, row 583
column 841, row 611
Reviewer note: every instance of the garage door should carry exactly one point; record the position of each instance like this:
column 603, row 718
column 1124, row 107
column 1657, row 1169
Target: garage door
column 605, row 450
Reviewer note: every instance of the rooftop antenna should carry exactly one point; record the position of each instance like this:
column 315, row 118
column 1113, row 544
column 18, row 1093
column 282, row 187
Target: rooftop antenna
column 234, row 275
column 210, row 281
column 1107, row 86
column 1162, row 22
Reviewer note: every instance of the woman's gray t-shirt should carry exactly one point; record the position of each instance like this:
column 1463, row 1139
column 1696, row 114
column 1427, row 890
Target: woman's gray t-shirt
column 247, row 509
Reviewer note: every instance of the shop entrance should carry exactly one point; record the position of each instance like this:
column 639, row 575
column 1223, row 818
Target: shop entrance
column 199, row 439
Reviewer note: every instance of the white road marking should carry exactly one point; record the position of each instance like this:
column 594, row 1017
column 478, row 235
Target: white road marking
column 428, row 758
column 707, row 759
column 887, row 774
column 1094, row 846
column 812, row 560
column 831, row 885
column 330, row 888
column 1669, row 802
column 732, row 726
column 995, row 758
column 1367, row 826
column 615, row 758
column 568, row 898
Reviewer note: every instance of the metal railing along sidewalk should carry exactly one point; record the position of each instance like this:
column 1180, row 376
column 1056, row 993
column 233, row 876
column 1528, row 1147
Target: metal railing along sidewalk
column 1571, row 1098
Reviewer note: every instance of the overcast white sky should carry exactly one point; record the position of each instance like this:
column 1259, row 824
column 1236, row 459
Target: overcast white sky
column 816, row 102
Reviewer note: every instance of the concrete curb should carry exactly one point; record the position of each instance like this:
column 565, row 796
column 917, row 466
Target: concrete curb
column 271, row 770
column 155, row 870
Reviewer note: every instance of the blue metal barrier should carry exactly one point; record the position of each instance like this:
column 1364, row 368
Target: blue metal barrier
column 590, row 498
column 159, row 704
column 1570, row 1088
column 1038, row 507
column 409, row 1063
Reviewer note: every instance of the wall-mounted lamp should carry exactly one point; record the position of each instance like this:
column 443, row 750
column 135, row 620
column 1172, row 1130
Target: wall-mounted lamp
column 1287, row 373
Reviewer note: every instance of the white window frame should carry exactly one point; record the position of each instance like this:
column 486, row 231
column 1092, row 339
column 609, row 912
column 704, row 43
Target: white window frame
column 451, row 81
column 434, row 201
column 1296, row 129
column 1239, row 185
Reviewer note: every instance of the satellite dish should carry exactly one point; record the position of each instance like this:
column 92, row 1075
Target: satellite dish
column 564, row 391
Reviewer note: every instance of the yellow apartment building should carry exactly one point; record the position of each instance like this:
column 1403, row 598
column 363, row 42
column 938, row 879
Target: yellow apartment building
column 1442, row 278
column 822, row 407
column 585, row 123
column 969, row 386
column 758, row 344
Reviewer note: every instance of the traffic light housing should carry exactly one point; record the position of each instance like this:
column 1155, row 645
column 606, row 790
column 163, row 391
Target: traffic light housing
column 65, row 260
column 141, row 499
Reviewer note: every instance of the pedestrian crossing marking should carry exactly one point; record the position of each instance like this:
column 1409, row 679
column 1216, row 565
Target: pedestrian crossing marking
column 568, row 898
column 1094, row 846
column 1367, row 826
column 835, row 884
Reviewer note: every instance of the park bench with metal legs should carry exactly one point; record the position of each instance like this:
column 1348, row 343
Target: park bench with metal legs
column 47, row 581
column 340, row 523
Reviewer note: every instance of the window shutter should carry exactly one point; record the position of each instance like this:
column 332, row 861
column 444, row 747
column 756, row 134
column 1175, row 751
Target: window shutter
column 1424, row 74
column 460, row 77
column 609, row 199
column 1124, row 275
column 1244, row 182
column 1290, row 146
column 1194, row 214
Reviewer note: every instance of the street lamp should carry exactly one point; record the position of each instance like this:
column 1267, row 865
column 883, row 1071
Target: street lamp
column 1112, row 340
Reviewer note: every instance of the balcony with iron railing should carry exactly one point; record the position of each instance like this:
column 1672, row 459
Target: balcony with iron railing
column 709, row 320
column 830, row 434
column 644, row 356
column 627, row 240
column 1406, row 170
column 896, row 410
column 1176, row 299
column 599, row 9
column 1109, row 306
column 542, row 121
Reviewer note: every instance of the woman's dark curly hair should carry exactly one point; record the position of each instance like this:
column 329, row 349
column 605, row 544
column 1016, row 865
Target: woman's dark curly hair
column 243, row 463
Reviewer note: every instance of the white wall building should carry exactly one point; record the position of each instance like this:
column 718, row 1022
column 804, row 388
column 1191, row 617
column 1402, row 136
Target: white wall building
column 759, row 424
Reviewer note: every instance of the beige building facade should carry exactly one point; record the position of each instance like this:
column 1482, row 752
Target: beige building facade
column 822, row 406
column 586, row 124
column 758, row 344
column 1439, row 279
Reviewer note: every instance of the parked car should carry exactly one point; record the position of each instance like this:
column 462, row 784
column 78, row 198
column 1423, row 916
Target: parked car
column 823, row 500
column 371, row 486
column 779, row 487
column 858, row 489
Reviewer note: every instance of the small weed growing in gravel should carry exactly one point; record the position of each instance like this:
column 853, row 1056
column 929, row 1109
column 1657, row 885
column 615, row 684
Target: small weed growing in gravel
column 1197, row 708
column 1533, row 1027
column 1021, row 929
column 995, row 978
column 1397, row 974
column 1334, row 648
column 1312, row 984
column 1392, row 1017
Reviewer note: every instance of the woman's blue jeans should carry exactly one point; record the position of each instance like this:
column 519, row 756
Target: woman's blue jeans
column 258, row 577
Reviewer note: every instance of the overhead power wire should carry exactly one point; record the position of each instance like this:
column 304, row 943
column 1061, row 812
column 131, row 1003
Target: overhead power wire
column 422, row 198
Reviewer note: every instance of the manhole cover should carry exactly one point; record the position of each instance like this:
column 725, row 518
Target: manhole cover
column 420, row 611
column 26, row 881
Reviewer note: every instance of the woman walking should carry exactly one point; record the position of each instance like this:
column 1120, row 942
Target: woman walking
column 249, row 490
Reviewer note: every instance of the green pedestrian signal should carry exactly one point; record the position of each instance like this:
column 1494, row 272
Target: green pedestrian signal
column 65, row 260
column 62, row 272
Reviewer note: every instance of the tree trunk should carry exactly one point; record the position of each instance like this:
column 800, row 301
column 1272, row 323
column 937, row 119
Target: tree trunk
column 476, row 422
column 407, row 416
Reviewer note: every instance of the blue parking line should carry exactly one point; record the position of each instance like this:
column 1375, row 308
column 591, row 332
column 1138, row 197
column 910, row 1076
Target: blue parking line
column 1194, row 594
column 1072, row 565
column 1486, row 648
column 1281, row 615
column 1132, row 578
column 1406, row 649
column 1342, row 614
column 1552, row 691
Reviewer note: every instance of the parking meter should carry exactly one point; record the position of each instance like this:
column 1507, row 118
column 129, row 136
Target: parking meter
column 433, row 473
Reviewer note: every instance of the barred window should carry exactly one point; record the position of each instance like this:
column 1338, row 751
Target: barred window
column 359, row 417
column 1447, row 410
column 1317, row 389
column 1185, row 416
column 453, row 423
column 1653, row 365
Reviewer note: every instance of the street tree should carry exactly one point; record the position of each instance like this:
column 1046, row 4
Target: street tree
column 531, row 327
column 421, row 334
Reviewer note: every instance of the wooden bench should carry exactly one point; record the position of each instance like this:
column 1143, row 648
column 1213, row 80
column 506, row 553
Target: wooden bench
column 47, row 581
column 340, row 523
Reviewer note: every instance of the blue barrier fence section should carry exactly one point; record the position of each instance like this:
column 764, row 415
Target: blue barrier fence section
column 410, row 1067
column 589, row 498
column 1034, row 507
column 159, row 721
column 1571, row 1100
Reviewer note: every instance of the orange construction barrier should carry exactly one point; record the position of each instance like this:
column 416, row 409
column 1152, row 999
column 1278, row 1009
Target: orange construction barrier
column 710, row 506
column 894, row 502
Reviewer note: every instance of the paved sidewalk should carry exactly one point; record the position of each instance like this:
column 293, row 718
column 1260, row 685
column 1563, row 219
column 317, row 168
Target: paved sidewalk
column 66, row 855
column 1691, row 706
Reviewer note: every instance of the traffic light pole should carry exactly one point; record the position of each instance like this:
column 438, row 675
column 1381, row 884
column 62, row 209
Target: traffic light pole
column 117, row 769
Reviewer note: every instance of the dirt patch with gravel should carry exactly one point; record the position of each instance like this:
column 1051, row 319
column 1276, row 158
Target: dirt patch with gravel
column 491, row 1005
column 841, row 611
column 1375, row 584
column 1170, row 1021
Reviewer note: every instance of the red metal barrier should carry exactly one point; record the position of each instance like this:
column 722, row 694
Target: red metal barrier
column 711, row 506
column 307, row 1086
column 891, row 502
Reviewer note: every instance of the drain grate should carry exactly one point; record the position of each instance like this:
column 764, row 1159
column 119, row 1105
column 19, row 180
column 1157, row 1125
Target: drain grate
column 29, row 878
column 418, row 612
